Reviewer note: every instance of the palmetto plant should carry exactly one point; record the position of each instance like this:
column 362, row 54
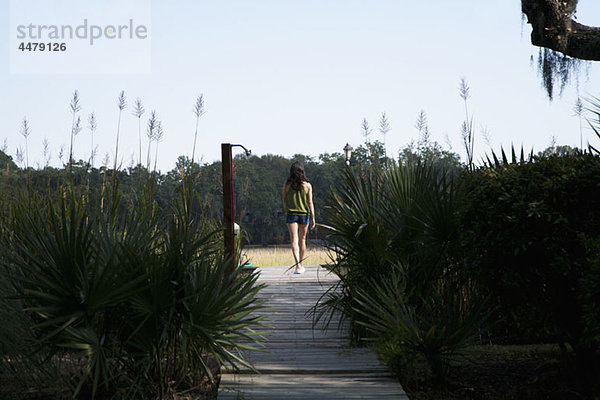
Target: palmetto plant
column 504, row 161
column 594, row 120
column 135, row 302
column 401, row 219
column 406, row 214
column 437, row 326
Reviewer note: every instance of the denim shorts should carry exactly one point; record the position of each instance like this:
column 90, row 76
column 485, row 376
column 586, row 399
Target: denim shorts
column 296, row 218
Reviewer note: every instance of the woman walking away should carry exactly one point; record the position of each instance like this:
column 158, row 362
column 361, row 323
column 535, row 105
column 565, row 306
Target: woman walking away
column 299, row 209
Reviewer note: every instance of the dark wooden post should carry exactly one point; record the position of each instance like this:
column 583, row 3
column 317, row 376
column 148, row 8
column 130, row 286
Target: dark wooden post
column 228, row 209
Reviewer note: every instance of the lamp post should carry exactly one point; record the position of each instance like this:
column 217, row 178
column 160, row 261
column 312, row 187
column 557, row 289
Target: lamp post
column 347, row 152
column 228, row 205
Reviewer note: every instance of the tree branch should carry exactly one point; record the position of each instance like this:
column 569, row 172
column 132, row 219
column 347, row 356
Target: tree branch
column 554, row 28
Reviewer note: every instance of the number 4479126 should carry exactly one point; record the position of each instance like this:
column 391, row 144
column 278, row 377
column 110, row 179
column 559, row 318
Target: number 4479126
column 33, row 46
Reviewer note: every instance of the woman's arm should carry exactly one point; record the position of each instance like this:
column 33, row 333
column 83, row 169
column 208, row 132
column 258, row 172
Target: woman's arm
column 309, row 193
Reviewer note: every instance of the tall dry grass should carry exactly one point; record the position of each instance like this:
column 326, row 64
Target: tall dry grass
column 282, row 255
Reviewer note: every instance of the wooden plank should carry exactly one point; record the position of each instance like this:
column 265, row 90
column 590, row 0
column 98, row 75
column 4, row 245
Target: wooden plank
column 301, row 361
column 330, row 387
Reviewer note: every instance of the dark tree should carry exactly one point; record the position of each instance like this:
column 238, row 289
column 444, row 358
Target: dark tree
column 554, row 27
column 563, row 41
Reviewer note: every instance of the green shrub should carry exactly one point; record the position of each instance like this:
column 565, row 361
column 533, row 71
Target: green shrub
column 130, row 304
column 404, row 218
column 589, row 296
column 438, row 327
column 526, row 226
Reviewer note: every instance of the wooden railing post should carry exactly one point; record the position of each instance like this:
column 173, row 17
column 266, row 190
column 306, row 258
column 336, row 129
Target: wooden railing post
column 228, row 207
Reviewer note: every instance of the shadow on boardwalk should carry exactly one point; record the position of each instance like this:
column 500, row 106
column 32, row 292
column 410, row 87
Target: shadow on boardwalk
column 302, row 363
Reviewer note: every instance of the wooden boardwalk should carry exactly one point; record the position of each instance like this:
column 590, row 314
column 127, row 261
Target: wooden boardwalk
column 302, row 363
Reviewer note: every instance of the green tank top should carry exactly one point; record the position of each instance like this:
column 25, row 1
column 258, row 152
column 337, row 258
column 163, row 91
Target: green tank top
column 296, row 201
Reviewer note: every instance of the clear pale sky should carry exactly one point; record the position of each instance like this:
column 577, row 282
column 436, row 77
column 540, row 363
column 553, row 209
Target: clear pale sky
column 291, row 76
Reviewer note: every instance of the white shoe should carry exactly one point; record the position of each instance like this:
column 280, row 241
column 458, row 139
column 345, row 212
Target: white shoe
column 300, row 271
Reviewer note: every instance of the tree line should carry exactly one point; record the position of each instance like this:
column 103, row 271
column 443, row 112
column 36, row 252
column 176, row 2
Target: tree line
column 258, row 182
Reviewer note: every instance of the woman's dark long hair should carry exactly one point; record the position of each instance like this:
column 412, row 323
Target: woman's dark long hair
column 297, row 176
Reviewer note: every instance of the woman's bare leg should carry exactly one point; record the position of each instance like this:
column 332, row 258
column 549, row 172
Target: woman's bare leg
column 302, row 229
column 293, row 228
